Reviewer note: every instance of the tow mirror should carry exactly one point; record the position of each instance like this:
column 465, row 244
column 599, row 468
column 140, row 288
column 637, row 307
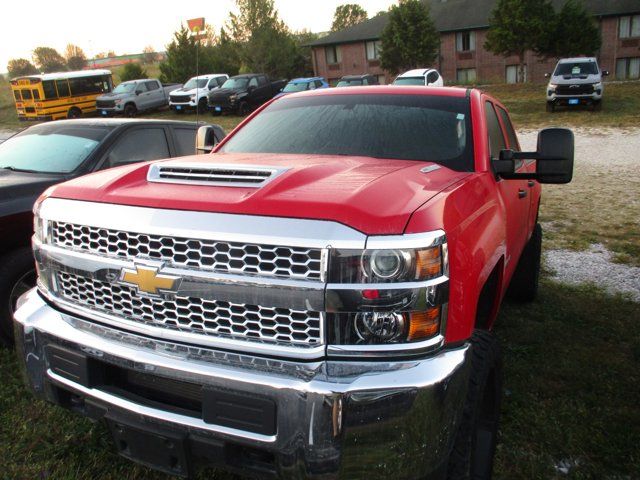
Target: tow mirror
column 547, row 75
column 207, row 138
column 605, row 73
column 554, row 158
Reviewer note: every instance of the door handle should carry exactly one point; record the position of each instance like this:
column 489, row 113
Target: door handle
column 531, row 183
column 522, row 193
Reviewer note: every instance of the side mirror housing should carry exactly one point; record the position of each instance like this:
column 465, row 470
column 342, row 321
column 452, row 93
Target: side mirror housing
column 605, row 73
column 207, row 138
column 251, row 89
column 554, row 158
column 547, row 75
column 138, row 92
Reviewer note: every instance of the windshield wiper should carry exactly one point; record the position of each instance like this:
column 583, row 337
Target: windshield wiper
column 25, row 170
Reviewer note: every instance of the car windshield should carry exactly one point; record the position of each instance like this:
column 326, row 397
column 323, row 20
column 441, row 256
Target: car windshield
column 296, row 87
column 406, row 127
column 51, row 149
column 125, row 88
column 576, row 68
column 409, row 81
column 195, row 83
column 236, row 83
column 349, row 83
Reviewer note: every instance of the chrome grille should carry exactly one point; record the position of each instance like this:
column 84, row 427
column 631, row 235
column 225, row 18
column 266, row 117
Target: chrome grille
column 226, row 257
column 180, row 98
column 193, row 314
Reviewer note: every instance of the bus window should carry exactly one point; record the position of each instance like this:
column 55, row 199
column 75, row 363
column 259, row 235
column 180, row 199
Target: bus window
column 63, row 88
column 36, row 94
column 16, row 93
column 49, row 89
column 26, row 94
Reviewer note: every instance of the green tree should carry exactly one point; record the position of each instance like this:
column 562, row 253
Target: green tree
column 410, row 39
column 132, row 71
column 18, row 67
column 303, row 66
column 180, row 64
column 47, row 60
column 516, row 26
column 75, row 57
column 348, row 15
column 222, row 55
column 574, row 32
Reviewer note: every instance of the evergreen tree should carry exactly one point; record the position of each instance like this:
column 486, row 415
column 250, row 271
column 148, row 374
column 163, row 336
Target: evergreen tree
column 132, row 71
column 574, row 32
column 180, row 64
column 410, row 39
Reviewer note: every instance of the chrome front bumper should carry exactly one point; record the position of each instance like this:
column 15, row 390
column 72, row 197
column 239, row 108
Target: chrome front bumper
column 335, row 419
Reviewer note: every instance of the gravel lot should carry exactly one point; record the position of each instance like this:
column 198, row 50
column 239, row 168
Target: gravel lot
column 606, row 187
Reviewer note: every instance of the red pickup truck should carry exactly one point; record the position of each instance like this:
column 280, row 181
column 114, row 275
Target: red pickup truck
column 314, row 299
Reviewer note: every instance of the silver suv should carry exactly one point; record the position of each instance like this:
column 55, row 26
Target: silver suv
column 576, row 81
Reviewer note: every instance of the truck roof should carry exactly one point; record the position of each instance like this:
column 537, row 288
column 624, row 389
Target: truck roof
column 577, row 59
column 116, row 122
column 418, row 72
column 387, row 90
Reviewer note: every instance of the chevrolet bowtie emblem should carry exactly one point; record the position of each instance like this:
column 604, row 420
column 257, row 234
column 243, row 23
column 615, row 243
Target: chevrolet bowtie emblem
column 148, row 281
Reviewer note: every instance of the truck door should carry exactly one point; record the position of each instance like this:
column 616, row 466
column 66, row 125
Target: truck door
column 514, row 193
column 142, row 96
column 155, row 94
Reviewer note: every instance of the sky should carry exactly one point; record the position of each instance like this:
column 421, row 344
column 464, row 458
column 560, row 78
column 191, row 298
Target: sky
column 127, row 26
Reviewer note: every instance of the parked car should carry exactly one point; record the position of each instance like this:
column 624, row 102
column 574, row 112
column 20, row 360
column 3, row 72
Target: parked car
column 243, row 93
column 302, row 84
column 135, row 96
column 357, row 80
column 50, row 153
column 305, row 302
column 428, row 77
column 576, row 81
column 193, row 94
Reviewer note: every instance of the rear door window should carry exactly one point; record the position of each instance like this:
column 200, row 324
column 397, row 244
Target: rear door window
column 139, row 145
column 185, row 141
column 152, row 86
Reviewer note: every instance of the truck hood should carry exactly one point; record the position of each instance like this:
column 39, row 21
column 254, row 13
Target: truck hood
column 19, row 190
column 114, row 96
column 224, row 92
column 193, row 91
column 374, row 196
column 575, row 79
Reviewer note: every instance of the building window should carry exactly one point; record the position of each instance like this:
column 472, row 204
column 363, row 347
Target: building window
column 333, row 54
column 466, row 41
column 373, row 50
column 513, row 74
column 466, row 75
column 629, row 26
column 628, row 68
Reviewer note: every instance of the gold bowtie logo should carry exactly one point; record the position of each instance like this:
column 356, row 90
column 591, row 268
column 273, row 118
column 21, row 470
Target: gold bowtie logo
column 147, row 280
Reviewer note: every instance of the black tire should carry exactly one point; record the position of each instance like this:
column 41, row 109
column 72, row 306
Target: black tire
column 243, row 109
column 597, row 105
column 551, row 107
column 476, row 438
column 130, row 110
column 74, row 112
column 524, row 284
column 17, row 275
column 202, row 106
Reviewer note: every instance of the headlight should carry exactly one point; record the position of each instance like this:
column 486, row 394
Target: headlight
column 193, row 97
column 233, row 98
column 41, row 228
column 552, row 86
column 118, row 102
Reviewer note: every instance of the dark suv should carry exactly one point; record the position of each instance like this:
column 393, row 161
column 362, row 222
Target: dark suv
column 357, row 80
column 54, row 152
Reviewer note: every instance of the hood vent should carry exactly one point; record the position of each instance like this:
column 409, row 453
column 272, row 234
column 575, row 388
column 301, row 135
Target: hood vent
column 231, row 175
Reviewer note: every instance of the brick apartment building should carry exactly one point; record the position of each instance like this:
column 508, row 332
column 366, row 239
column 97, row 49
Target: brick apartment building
column 463, row 26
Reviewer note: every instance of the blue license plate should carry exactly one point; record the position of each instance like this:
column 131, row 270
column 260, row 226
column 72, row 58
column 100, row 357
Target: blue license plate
column 104, row 112
column 218, row 109
column 574, row 101
column 178, row 107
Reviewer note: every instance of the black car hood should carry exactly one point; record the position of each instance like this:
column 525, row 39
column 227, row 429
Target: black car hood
column 19, row 190
column 225, row 92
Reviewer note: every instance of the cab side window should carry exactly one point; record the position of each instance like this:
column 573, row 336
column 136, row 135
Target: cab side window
column 496, row 139
column 253, row 82
column 185, row 141
column 432, row 77
column 511, row 133
column 152, row 86
column 138, row 145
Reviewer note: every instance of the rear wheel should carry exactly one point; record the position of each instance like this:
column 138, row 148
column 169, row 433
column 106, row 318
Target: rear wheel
column 17, row 276
column 524, row 284
column 476, row 438
column 130, row 110
column 74, row 112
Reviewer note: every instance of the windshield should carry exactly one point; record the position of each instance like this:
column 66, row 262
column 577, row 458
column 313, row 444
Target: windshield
column 195, row 83
column 406, row 127
column 576, row 68
column 349, row 83
column 296, row 87
column 236, row 83
column 409, row 81
column 51, row 149
column 125, row 88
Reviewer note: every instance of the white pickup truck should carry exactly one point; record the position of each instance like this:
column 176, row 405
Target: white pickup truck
column 135, row 96
column 194, row 93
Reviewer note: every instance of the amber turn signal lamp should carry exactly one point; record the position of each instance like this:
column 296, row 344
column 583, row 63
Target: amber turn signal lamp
column 424, row 324
column 428, row 263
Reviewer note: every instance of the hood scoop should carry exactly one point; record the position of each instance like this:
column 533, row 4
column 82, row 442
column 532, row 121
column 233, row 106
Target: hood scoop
column 215, row 175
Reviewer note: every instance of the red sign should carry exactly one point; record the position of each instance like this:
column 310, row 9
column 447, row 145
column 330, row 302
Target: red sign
column 196, row 25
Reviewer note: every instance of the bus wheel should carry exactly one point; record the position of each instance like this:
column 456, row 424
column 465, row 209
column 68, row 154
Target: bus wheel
column 130, row 110
column 74, row 113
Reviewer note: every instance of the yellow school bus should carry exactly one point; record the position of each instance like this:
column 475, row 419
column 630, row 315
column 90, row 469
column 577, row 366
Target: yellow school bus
column 52, row 96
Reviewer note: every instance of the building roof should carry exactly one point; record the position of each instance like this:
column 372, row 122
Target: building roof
column 452, row 15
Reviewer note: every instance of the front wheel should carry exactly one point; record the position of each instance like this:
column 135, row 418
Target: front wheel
column 17, row 276
column 243, row 109
column 476, row 438
column 130, row 110
column 202, row 106
column 74, row 113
